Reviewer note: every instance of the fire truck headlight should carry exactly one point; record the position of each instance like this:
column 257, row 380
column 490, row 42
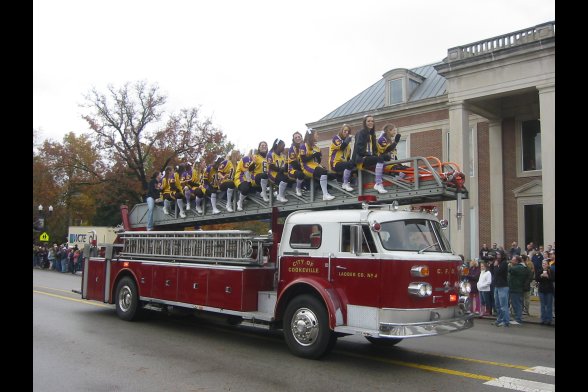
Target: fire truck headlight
column 465, row 304
column 420, row 289
column 419, row 271
column 463, row 270
column 465, row 287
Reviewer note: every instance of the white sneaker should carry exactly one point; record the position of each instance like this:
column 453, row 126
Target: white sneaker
column 188, row 207
column 380, row 188
column 215, row 211
column 275, row 194
column 165, row 211
column 198, row 209
column 264, row 196
column 347, row 187
column 239, row 206
column 182, row 214
column 282, row 199
column 328, row 197
column 298, row 192
column 230, row 208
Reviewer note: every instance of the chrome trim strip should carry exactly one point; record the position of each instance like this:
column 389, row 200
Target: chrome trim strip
column 85, row 278
column 107, row 268
column 245, row 315
column 198, row 265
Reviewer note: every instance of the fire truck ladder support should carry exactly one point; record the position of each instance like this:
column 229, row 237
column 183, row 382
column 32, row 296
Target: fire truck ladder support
column 218, row 246
column 423, row 182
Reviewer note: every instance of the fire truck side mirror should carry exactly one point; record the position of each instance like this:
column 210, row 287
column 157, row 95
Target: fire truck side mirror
column 444, row 223
column 356, row 237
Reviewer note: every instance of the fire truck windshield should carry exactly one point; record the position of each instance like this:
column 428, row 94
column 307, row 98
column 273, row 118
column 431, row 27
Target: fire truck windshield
column 417, row 235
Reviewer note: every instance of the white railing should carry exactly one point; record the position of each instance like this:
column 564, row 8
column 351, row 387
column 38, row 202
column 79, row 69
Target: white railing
column 516, row 38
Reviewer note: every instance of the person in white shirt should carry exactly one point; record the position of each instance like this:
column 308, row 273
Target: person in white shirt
column 484, row 288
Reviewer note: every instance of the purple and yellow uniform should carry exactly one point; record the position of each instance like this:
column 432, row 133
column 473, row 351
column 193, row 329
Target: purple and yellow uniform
column 195, row 182
column 225, row 172
column 338, row 154
column 186, row 178
column 242, row 174
column 208, row 179
column 279, row 160
column 383, row 144
column 260, row 165
column 308, row 167
column 293, row 161
column 171, row 186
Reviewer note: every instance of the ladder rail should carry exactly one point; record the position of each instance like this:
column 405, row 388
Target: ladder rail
column 235, row 246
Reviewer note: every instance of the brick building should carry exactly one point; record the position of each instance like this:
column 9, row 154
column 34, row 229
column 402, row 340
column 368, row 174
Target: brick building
column 490, row 107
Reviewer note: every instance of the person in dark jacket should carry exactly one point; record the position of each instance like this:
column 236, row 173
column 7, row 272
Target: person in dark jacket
column 473, row 276
column 500, row 280
column 365, row 152
column 517, row 277
column 545, row 278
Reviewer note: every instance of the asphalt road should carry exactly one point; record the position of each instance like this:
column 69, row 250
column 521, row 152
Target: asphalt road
column 81, row 345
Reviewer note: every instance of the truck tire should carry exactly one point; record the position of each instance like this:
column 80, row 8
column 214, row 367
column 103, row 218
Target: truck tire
column 384, row 342
column 306, row 327
column 127, row 299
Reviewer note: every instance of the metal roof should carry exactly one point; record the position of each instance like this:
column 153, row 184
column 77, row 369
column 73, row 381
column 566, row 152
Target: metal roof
column 372, row 98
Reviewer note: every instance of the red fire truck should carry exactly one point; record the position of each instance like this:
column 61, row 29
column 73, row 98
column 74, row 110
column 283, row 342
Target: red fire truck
column 370, row 269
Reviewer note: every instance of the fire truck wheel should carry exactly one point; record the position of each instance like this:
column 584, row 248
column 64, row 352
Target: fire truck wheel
column 306, row 327
column 384, row 342
column 127, row 299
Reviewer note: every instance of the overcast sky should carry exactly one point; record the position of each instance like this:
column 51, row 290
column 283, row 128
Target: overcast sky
column 260, row 69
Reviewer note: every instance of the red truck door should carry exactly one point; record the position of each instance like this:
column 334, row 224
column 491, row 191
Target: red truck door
column 358, row 277
column 95, row 279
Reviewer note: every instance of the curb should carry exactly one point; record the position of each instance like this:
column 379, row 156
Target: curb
column 525, row 321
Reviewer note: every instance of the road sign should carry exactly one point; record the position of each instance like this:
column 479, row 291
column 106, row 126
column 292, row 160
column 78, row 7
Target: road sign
column 44, row 237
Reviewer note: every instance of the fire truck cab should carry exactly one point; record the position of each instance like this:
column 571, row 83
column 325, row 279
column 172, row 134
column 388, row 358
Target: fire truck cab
column 381, row 273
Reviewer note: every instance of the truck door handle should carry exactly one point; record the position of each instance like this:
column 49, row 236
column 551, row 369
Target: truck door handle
column 340, row 267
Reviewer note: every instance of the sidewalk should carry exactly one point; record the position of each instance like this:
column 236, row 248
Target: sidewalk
column 534, row 313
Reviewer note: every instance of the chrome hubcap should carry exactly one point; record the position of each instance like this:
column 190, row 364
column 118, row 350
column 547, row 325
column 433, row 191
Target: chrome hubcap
column 305, row 327
column 125, row 298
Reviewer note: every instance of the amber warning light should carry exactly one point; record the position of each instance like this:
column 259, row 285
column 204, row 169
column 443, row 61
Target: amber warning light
column 452, row 297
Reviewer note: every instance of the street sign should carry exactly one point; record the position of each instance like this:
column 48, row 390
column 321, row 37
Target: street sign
column 44, row 237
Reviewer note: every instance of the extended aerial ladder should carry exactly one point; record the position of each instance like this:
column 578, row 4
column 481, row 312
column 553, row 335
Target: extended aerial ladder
column 430, row 182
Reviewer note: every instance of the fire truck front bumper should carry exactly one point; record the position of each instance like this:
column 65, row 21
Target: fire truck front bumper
column 429, row 328
column 405, row 323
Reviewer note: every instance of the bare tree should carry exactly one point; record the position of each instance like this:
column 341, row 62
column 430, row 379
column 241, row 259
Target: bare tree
column 126, row 124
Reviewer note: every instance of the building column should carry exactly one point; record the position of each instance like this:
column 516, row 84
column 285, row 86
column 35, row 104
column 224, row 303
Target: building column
column 459, row 140
column 496, row 183
column 547, row 118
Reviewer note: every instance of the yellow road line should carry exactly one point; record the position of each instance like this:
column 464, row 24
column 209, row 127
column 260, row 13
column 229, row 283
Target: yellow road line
column 83, row 301
column 508, row 365
column 54, row 289
column 419, row 366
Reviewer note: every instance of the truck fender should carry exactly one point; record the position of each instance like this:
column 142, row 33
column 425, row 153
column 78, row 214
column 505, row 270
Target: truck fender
column 121, row 274
column 319, row 287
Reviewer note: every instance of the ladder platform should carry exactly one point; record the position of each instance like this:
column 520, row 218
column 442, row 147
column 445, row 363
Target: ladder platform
column 430, row 185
